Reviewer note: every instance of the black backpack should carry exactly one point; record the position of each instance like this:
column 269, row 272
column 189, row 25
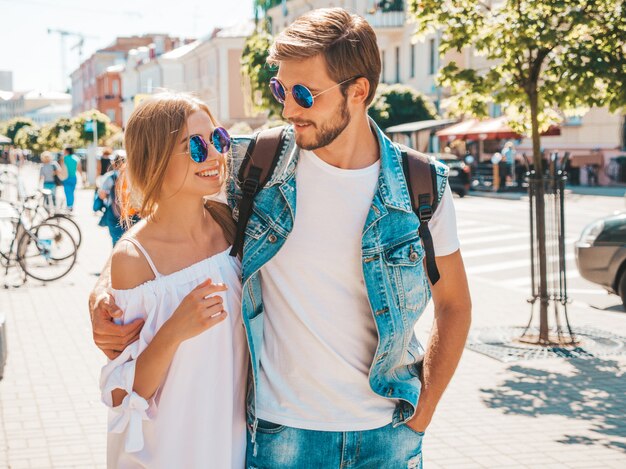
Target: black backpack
column 262, row 157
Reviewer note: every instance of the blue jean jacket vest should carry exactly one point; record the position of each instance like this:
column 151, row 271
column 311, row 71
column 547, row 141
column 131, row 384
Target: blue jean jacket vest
column 392, row 259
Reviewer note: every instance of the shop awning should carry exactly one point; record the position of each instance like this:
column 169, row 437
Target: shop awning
column 488, row 129
column 419, row 126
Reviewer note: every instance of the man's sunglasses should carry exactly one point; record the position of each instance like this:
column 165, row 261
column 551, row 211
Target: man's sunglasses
column 301, row 94
column 199, row 149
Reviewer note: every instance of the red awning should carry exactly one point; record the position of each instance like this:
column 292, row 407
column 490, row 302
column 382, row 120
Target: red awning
column 488, row 129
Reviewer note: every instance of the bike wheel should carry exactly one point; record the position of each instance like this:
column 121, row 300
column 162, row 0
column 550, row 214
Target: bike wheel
column 69, row 225
column 46, row 252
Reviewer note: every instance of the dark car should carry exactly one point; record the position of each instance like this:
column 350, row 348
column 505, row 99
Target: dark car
column 601, row 254
column 459, row 176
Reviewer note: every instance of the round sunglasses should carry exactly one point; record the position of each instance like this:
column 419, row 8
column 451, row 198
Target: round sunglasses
column 301, row 94
column 199, row 149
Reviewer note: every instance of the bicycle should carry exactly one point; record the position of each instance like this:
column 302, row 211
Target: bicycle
column 44, row 252
column 43, row 211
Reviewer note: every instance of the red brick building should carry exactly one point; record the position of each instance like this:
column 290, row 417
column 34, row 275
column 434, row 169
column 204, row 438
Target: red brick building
column 96, row 83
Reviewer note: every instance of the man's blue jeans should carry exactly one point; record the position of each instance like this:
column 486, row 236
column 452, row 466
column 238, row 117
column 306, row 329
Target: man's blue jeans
column 282, row 447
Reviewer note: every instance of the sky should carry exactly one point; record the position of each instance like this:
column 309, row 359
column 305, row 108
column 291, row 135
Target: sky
column 34, row 56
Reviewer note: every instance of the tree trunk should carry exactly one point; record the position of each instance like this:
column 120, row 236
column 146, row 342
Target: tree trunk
column 541, row 217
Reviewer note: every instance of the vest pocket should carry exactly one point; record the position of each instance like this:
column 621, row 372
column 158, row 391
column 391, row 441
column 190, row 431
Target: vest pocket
column 404, row 263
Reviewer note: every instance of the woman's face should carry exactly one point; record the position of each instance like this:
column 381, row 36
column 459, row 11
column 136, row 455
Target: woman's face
column 186, row 177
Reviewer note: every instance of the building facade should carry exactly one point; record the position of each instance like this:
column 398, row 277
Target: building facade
column 93, row 84
column 41, row 106
column 209, row 68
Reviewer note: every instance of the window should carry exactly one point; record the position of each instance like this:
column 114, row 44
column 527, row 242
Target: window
column 111, row 114
column 433, row 58
column 116, row 88
column 382, row 59
column 412, row 60
column 397, row 65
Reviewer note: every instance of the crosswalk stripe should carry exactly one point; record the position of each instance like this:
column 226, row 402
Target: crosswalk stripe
column 483, row 229
column 489, row 239
column 525, row 281
column 508, row 265
column 504, row 249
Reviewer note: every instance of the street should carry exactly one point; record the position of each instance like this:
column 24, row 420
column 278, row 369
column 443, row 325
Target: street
column 549, row 413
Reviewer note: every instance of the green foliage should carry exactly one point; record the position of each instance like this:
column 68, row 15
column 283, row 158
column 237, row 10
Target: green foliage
column 399, row 104
column 55, row 136
column 11, row 127
column 541, row 56
column 104, row 128
column 50, row 135
column 27, row 138
column 257, row 72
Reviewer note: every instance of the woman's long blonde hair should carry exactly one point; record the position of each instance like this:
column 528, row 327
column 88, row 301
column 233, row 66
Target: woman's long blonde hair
column 150, row 137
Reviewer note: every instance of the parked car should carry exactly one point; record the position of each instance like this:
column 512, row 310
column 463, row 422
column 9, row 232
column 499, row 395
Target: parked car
column 459, row 176
column 601, row 254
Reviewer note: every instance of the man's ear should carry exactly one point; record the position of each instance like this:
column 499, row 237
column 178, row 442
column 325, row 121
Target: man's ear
column 359, row 90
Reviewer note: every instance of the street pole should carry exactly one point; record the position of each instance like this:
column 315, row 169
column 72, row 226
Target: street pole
column 92, row 154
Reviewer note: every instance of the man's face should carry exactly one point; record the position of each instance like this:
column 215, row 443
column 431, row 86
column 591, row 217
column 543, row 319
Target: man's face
column 319, row 125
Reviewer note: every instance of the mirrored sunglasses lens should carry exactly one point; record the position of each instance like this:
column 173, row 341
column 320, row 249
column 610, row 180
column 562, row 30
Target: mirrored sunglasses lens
column 277, row 90
column 197, row 149
column 221, row 140
column 303, row 96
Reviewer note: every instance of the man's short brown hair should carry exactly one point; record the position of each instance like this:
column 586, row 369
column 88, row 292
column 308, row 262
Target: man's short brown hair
column 347, row 42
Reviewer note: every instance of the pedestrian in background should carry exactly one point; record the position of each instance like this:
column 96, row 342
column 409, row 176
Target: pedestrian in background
column 49, row 173
column 103, row 164
column 72, row 165
column 111, row 193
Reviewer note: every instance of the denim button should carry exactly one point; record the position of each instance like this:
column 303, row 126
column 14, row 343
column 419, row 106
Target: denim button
column 413, row 256
column 271, row 238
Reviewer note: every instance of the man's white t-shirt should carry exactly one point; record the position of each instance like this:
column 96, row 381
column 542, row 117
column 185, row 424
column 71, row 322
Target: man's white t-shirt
column 320, row 337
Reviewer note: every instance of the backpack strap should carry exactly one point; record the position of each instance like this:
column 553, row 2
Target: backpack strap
column 256, row 169
column 421, row 176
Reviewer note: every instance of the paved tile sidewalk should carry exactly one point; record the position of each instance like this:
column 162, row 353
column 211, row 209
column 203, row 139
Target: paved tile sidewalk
column 550, row 413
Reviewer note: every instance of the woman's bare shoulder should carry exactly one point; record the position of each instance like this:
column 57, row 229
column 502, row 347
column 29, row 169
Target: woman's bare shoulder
column 129, row 266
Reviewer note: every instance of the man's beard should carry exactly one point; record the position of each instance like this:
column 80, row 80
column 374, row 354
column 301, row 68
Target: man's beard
column 328, row 131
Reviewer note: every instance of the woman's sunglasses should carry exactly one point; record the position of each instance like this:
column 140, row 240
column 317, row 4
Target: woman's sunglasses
column 301, row 94
column 199, row 149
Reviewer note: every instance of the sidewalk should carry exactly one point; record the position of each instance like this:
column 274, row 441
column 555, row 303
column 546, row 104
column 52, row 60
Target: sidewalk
column 604, row 191
column 552, row 413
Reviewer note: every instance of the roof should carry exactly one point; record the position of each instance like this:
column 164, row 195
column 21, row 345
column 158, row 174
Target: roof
column 38, row 94
column 241, row 29
column 419, row 125
column 181, row 51
column 52, row 110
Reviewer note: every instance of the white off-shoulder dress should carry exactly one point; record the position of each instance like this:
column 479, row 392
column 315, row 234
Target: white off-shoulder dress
column 197, row 417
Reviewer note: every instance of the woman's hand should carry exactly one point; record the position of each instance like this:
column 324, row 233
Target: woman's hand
column 200, row 310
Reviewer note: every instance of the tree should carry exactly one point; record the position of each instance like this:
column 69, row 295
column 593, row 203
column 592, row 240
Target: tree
column 257, row 72
column 104, row 126
column 542, row 56
column 399, row 104
column 11, row 127
column 27, row 138
column 50, row 134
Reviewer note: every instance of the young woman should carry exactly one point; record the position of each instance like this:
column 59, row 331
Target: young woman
column 177, row 394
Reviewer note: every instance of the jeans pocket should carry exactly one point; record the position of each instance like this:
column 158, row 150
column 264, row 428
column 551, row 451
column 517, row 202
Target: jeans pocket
column 414, row 432
column 263, row 426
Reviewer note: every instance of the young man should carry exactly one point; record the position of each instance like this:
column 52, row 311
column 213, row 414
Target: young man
column 333, row 272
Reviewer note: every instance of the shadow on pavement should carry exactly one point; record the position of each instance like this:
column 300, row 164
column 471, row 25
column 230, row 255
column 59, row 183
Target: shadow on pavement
column 593, row 391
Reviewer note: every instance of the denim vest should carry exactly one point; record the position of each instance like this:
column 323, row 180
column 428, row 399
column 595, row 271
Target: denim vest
column 392, row 259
